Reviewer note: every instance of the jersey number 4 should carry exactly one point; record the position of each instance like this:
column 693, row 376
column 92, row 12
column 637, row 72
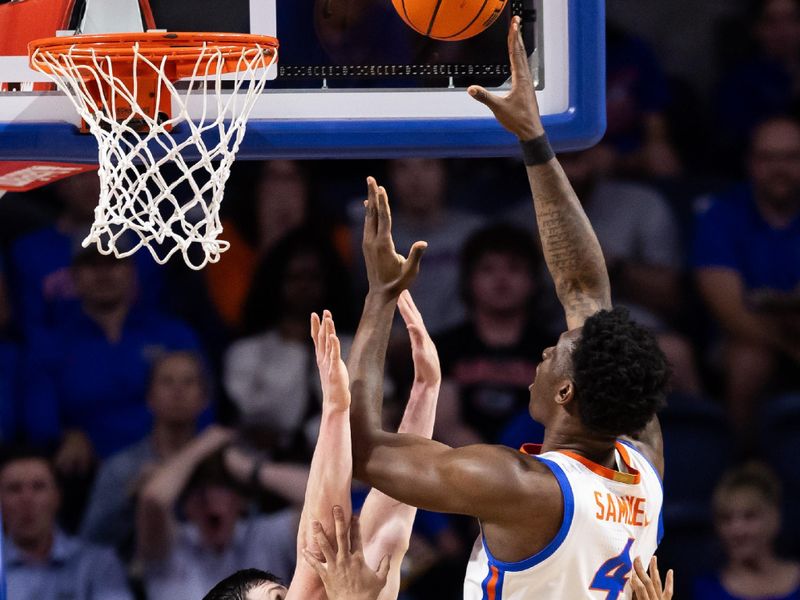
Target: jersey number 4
column 612, row 575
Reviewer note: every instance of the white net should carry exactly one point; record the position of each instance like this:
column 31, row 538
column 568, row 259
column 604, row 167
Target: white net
column 162, row 178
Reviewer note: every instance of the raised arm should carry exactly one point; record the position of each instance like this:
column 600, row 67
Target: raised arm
column 385, row 522
column 155, row 510
column 410, row 468
column 570, row 246
column 331, row 466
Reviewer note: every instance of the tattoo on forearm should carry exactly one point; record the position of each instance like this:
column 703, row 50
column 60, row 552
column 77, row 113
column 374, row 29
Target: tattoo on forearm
column 571, row 249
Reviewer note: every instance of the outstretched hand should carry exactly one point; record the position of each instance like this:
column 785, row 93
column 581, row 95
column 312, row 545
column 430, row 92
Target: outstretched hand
column 332, row 371
column 387, row 271
column 345, row 573
column 427, row 370
column 648, row 586
column 518, row 111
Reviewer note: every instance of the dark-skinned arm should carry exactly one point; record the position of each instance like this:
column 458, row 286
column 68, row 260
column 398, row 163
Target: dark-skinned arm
column 410, row 468
column 570, row 246
column 571, row 249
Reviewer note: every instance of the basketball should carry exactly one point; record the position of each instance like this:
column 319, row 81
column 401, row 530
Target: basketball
column 449, row 20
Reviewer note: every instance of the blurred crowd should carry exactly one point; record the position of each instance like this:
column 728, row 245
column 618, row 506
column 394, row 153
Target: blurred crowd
column 136, row 398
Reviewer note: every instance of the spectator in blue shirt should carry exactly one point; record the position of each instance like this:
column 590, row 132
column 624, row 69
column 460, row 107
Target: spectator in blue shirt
column 86, row 379
column 39, row 560
column 177, row 396
column 765, row 84
column 39, row 265
column 747, row 265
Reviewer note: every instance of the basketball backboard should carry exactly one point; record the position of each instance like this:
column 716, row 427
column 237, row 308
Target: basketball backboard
column 353, row 81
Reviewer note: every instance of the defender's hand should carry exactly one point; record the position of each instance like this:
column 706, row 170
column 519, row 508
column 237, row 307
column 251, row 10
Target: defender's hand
column 648, row 586
column 387, row 271
column 518, row 111
column 427, row 370
column 332, row 371
column 345, row 574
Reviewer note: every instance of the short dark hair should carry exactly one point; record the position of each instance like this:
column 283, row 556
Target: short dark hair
column 620, row 373
column 237, row 586
column 502, row 239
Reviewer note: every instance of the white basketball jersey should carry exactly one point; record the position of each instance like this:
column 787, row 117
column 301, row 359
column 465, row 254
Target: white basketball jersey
column 610, row 518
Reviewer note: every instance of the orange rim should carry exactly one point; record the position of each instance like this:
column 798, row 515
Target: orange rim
column 184, row 47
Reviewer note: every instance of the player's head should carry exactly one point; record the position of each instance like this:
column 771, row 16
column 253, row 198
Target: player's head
column 178, row 390
column 29, row 496
column 214, row 502
column 499, row 270
column 248, row 584
column 610, row 376
column 774, row 161
column 747, row 513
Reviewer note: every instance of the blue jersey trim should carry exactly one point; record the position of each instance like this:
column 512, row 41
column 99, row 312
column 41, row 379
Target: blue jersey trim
column 660, row 534
column 485, row 585
column 555, row 544
column 499, row 588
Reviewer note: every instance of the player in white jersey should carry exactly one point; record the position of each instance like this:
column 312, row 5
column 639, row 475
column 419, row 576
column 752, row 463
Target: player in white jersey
column 611, row 516
column 567, row 524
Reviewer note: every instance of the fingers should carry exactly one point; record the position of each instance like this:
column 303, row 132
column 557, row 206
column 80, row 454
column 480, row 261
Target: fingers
column 315, row 324
column 520, row 70
column 334, row 350
column 645, row 579
column 655, row 576
column 371, row 214
column 312, row 561
column 669, row 585
column 417, row 339
column 323, row 542
column 484, row 97
column 639, row 592
column 383, row 568
column 411, row 266
column 405, row 308
column 384, row 213
column 341, row 529
column 355, row 535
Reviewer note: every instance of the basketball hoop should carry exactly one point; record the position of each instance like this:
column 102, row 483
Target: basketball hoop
column 124, row 88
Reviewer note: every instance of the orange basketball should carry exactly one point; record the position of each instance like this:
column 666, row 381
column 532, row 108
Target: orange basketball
column 449, row 20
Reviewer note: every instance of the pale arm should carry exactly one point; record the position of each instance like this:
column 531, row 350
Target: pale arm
column 282, row 479
column 331, row 466
column 155, row 510
column 386, row 523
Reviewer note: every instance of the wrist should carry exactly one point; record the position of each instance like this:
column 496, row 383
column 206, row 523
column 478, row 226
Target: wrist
column 537, row 151
column 381, row 297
